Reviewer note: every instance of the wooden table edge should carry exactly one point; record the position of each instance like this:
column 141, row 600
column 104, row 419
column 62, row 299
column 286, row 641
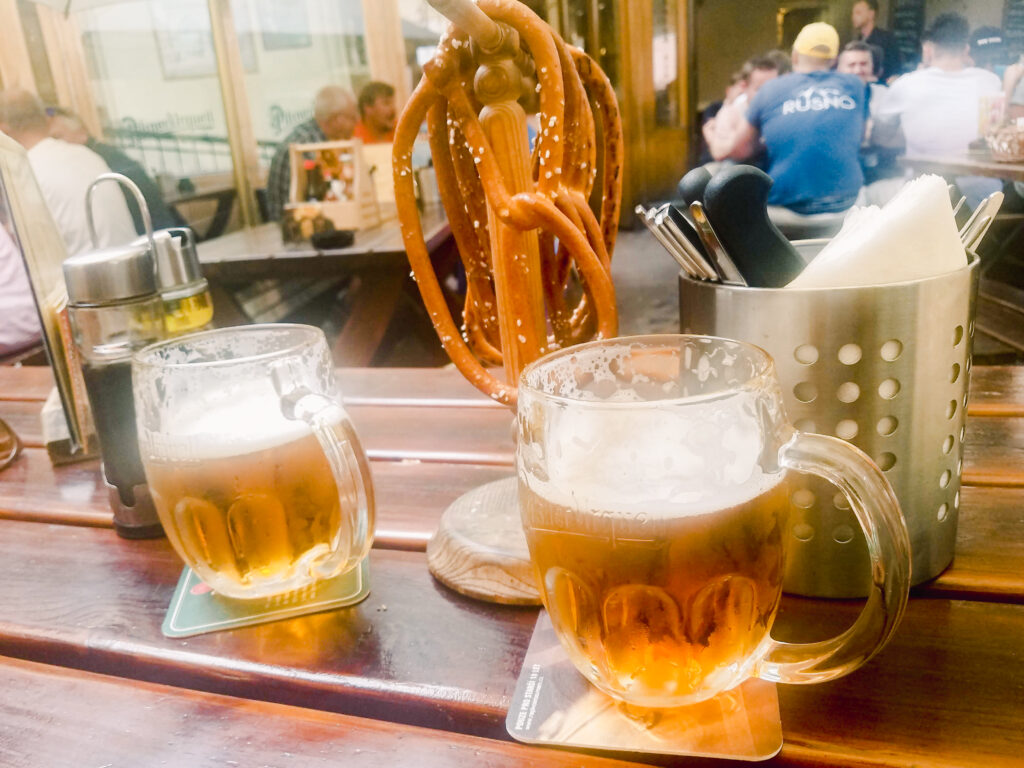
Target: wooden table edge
column 995, row 410
column 330, row 728
column 998, row 479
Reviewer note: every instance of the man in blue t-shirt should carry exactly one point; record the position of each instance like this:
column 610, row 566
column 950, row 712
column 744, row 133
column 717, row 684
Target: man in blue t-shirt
column 811, row 122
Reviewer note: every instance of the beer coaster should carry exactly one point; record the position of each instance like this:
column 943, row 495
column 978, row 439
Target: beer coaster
column 195, row 609
column 555, row 705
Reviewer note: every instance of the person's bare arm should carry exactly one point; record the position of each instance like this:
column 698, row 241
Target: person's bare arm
column 708, row 130
column 745, row 141
column 1011, row 78
column 722, row 136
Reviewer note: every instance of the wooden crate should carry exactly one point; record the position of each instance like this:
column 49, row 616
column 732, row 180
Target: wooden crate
column 360, row 209
column 378, row 159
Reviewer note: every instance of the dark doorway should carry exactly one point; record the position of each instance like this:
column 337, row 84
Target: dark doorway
column 793, row 19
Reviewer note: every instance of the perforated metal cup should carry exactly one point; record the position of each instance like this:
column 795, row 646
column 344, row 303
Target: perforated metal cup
column 884, row 367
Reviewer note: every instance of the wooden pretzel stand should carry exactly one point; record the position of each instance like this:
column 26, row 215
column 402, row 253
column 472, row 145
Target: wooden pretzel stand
column 537, row 256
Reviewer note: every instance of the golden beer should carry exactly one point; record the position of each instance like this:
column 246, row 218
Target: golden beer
column 654, row 485
column 253, row 465
column 259, row 520
column 660, row 604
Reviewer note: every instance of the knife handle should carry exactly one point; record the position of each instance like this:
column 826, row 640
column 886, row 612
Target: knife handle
column 736, row 204
column 691, row 186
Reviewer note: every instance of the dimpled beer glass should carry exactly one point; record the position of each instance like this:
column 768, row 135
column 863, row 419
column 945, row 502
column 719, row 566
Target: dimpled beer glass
column 654, row 489
column 256, row 471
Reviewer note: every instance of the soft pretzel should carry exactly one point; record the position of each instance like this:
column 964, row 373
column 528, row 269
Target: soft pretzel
column 575, row 245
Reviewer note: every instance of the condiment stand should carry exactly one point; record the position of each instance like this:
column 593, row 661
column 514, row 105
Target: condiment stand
column 537, row 257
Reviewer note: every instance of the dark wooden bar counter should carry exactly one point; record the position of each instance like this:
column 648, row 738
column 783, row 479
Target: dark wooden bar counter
column 418, row 675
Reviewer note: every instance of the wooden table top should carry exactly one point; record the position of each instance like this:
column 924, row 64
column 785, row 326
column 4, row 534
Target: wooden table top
column 260, row 252
column 418, row 675
column 972, row 163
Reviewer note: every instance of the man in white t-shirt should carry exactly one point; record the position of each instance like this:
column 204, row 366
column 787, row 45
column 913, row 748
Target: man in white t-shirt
column 64, row 172
column 19, row 321
column 939, row 106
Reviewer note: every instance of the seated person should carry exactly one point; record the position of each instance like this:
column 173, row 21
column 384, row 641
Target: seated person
column 938, row 106
column 988, row 50
column 1013, row 88
column 811, row 123
column 67, row 126
column 377, row 114
column 737, row 85
column 19, row 328
column 857, row 58
column 308, row 300
column 334, row 117
column 64, row 172
column 720, row 131
column 877, row 157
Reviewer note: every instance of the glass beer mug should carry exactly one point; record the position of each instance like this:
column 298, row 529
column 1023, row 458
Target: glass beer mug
column 653, row 484
column 256, row 471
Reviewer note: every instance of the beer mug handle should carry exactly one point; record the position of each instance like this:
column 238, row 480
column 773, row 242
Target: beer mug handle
column 337, row 438
column 885, row 530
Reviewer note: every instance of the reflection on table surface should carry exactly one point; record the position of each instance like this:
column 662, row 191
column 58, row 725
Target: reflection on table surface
column 261, row 251
column 256, row 276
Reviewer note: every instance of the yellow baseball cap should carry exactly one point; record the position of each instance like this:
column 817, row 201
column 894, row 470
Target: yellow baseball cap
column 819, row 40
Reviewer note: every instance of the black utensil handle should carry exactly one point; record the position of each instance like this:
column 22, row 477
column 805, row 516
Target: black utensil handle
column 691, row 186
column 736, row 203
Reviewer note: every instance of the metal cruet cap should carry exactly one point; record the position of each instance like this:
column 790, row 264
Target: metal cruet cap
column 111, row 274
column 177, row 263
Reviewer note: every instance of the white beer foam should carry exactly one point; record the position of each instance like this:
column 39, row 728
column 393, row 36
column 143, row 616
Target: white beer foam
column 637, row 373
column 239, row 426
column 669, row 461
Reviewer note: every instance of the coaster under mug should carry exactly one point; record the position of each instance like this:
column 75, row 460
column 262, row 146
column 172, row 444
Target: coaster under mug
column 195, row 609
column 555, row 705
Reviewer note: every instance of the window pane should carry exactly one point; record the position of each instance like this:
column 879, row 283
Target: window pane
column 298, row 46
column 607, row 54
column 422, row 27
column 154, row 78
column 575, row 32
column 29, row 14
column 155, row 83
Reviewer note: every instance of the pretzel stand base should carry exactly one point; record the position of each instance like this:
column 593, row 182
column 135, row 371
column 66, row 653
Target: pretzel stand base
column 479, row 549
column 537, row 257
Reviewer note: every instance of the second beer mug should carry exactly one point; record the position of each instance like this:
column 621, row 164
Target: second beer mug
column 653, row 487
column 256, row 471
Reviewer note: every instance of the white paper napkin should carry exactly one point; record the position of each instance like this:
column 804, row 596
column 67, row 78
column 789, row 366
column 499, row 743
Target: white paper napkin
column 914, row 236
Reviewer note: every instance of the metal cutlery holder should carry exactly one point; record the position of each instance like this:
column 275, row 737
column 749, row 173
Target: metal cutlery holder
column 884, row 367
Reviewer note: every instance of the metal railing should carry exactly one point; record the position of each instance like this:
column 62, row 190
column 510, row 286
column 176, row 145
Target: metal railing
column 178, row 155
